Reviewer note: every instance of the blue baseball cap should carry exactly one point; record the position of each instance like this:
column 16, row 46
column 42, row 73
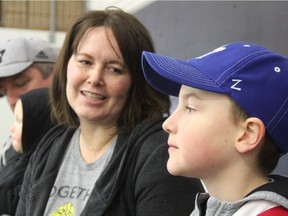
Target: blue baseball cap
column 254, row 76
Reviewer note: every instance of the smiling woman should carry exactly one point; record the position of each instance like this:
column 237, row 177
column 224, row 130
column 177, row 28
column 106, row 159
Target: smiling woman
column 108, row 156
column 98, row 81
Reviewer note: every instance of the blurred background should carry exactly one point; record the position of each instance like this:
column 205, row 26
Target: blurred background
column 182, row 29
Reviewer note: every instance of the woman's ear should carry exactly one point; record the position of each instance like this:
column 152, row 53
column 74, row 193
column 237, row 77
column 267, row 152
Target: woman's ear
column 253, row 132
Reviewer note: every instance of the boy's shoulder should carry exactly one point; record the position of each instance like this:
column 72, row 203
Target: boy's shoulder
column 262, row 208
column 275, row 211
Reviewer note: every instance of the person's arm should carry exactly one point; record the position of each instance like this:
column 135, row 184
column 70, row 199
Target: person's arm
column 159, row 193
column 9, row 199
column 42, row 171
column 11, row 177
column 21, row 207
column 6, row 152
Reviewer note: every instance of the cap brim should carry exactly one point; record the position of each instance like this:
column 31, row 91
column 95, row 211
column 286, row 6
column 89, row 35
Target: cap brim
column 155, row 71
column 13, row 69
column 167, row 74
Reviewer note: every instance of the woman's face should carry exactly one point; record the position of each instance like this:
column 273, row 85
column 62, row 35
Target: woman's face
column 16, row 128
column 98, row 81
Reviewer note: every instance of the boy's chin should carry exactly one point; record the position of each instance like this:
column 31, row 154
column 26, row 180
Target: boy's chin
column 172, row 168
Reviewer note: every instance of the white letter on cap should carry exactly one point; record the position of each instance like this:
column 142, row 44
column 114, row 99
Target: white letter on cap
column 236, row 83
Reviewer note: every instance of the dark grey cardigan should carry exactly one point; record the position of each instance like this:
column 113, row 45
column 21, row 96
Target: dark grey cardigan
column 135, row 182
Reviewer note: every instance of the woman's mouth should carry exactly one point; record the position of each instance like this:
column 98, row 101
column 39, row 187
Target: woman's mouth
column 93, row 96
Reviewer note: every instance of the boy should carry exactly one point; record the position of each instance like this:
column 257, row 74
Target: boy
column 230, row 127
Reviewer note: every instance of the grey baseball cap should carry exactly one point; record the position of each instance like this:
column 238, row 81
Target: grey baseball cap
column 19, row 53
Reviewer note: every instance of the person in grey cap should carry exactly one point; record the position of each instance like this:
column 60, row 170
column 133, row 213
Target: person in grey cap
column 25, row 64
column 230, row 126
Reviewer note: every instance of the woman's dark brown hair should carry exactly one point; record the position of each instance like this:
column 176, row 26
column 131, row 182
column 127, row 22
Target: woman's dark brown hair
column 144, row 103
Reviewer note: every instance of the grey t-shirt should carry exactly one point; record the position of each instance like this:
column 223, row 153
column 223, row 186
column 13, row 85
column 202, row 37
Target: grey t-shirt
column 75, row 180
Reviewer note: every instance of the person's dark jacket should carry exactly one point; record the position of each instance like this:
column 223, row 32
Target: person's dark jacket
column 36, row 122
column 135, row 182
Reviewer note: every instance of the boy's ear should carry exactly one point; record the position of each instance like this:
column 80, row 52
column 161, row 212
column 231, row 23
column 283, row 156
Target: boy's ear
column 253, row 132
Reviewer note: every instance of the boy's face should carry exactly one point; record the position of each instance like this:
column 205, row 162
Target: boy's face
column 16, row 128
column 201, row 134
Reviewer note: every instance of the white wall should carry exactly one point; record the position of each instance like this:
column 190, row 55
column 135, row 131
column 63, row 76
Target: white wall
column 6, row 120
column 7, row 33
column 130, row 6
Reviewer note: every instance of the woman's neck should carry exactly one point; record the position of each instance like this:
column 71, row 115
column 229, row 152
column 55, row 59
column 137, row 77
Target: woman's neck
column 94, row 141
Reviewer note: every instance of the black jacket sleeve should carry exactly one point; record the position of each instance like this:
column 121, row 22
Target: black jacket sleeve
column 9, row 199
column 157, row 192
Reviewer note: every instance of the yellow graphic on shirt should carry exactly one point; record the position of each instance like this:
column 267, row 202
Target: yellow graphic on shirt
column 66, row 210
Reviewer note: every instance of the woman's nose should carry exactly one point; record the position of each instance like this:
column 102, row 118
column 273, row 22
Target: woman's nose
column 96, row 77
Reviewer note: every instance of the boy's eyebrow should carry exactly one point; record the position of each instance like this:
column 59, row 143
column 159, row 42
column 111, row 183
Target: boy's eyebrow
column 193, row 95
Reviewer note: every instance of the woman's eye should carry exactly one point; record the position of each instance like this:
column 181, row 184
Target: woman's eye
column 114, row 70
column 117, row 70
column 84, row 62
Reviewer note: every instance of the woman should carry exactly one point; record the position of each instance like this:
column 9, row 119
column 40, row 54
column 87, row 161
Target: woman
column 32, row 119
column 111, row 158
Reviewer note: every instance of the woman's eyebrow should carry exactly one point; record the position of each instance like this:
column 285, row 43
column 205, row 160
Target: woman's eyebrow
column 77, row 54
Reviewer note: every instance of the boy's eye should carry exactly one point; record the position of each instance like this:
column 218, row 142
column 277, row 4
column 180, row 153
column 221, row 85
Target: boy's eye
column 189, row 109
column 18, row 120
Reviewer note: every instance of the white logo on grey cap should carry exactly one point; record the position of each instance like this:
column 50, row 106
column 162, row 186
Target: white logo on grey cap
column 1, row 54
column 41, row 55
